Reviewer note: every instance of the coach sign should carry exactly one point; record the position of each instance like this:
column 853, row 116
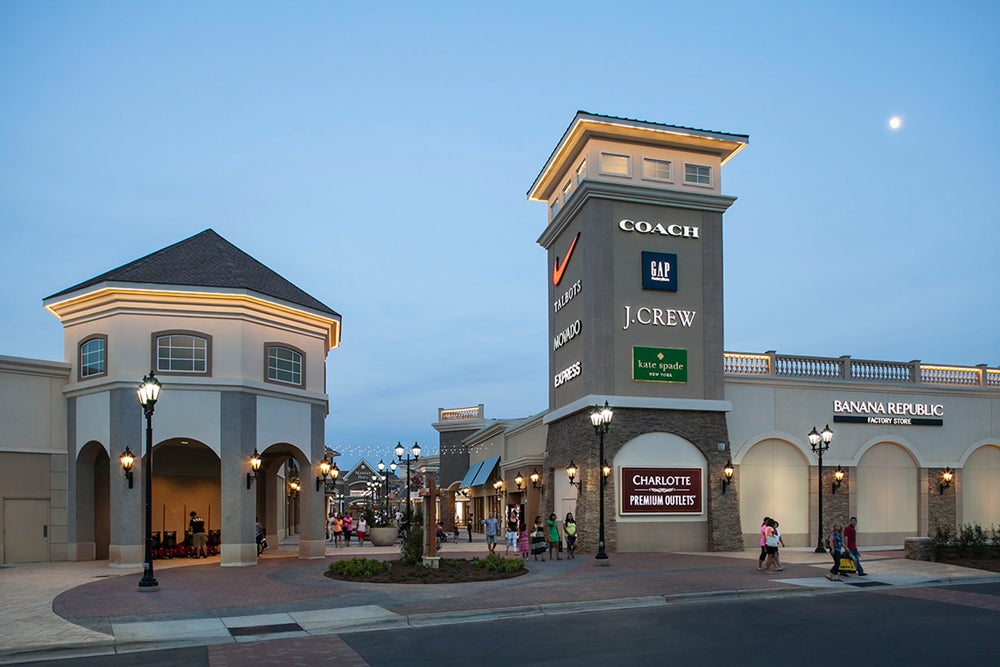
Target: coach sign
column 661, row 490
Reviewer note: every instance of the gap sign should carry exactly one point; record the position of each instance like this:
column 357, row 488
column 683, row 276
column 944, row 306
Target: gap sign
column 659, row 364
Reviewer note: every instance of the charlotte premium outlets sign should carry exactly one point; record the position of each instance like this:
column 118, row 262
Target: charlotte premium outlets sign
column 661, row 491
column 879, row 413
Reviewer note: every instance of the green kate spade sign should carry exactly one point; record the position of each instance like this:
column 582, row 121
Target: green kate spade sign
column 658, row 364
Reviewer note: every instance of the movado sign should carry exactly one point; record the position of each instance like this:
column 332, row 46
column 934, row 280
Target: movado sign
column 658, row 364
column 659, row 271
column 661, row 491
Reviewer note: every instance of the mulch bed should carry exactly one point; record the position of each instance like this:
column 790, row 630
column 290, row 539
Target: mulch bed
column 451, row 571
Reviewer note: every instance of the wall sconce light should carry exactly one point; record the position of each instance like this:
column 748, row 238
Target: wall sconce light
column 605, row 469
column 325, row 468
column 571, row 471
column 498, row 487
column 536, row 480
column 946, row 478
column 254, row 467
column 294, row 488
column 464, row 492
column 519, row 480
column 727, row 474
column 838, row 478
column 127, row 459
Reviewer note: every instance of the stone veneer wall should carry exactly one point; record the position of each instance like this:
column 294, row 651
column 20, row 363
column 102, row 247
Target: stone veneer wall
column 573, row 438
column 836, row 506
column 942, row 508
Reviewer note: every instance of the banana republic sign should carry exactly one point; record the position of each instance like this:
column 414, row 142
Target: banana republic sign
column 661, row 491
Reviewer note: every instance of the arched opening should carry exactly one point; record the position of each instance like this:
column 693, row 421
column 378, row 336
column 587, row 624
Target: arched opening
column 774, row 481
column 93, row 502
column 675, row 528
column 887, row 495
column 186, row 478
column 980, row 484
column 285, row 473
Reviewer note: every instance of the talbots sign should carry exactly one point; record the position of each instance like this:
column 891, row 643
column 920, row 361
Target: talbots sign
column 661, row 491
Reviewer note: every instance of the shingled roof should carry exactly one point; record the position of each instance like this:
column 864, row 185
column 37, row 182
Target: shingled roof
column 205, row 260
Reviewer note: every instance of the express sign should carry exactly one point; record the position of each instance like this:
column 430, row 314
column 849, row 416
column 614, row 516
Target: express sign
column 661, row 491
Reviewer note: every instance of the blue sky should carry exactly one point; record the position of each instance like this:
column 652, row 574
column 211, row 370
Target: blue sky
column 379, row 159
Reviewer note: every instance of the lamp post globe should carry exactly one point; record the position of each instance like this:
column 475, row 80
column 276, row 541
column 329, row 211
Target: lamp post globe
column 601, row 419
column 415, row 451
column 820, row 442
column 148, row 393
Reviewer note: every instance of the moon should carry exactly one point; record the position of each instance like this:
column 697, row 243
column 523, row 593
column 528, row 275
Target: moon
column 895, row 123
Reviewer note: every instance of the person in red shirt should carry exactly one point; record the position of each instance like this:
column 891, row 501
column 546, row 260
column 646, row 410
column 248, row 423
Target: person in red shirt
column 851, row 538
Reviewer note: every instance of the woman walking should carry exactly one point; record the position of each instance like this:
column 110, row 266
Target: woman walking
column 835, row 545
column 570, row 525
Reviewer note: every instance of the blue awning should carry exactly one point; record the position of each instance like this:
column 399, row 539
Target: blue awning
column 471, row 475
column 485, row 471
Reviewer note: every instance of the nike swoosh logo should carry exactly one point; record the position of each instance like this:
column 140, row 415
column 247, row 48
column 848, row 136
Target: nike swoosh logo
column 558, row 269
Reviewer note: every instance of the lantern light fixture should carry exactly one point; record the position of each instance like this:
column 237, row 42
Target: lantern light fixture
column 727, row 474
column 255, row 462
column 127, row 458
column 946, row 479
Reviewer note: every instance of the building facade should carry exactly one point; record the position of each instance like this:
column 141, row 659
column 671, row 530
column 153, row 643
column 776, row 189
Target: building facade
column 240, row 353
column 634, row 245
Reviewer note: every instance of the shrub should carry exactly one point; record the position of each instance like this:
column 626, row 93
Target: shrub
column 499, row 564
column 357, row 567
column 412, row 549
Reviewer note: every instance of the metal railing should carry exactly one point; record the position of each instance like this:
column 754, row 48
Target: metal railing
column 772, row 364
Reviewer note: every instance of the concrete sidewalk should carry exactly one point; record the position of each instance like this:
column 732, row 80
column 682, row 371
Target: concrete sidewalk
column 55, row 610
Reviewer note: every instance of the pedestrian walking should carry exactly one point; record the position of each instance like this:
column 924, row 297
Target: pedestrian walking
column 523, row 541
column 338, row 528
column 835, row 543
column 329, row 527
column 348, row 528
column 362, row 530
column 851, row 539
column 492, row 526
column 777, row 551
column 763, row 543
column 770, row 547
column 570, row 525
column 468, row 527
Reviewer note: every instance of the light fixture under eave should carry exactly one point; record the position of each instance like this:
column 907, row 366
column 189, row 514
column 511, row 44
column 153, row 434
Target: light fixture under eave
column 519, row 481
column 535, row 479
column 127, row 459
column 254, row 467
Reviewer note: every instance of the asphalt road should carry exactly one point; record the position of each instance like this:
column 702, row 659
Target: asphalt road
column 920, row 626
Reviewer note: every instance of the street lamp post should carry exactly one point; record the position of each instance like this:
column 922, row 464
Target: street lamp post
column 601, row 419
column 148, row 392
column 415, row 450
column 820, row 442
